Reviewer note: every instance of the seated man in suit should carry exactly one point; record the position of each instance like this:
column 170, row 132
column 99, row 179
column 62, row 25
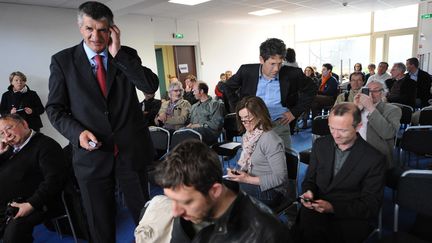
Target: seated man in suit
column 402, row 89
column 423, row 80
column 343, row 186
column 206, row 208
column 381, row 120
column 32, row 168
column 206, row 115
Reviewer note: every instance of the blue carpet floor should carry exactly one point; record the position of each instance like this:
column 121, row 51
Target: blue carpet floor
column 300, row 141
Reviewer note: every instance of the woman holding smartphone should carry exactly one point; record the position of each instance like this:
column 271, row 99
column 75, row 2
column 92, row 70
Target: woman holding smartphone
column 23, row 101
column 262, row 167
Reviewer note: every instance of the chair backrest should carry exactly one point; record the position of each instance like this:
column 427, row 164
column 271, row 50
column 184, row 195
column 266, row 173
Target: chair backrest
column 161, row 141
column 416, row 139
column 426, row 116
column 407, row 112
column 320, row 126
column 292, row 162
column 414, row 193
column 230, row 126
column 182, row 135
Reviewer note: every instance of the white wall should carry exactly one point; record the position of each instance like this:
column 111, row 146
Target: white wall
column 31, row 35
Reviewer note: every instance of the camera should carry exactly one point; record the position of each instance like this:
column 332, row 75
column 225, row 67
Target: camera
column 365, row 91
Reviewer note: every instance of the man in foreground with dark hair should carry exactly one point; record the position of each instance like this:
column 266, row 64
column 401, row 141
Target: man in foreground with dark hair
column 343, row 186
column 205, row 208
column 32, row 168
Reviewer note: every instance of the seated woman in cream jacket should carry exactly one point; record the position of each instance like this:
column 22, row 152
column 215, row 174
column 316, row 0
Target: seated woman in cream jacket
column 174, row 113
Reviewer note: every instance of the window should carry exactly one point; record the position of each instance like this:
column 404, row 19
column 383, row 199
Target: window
column 341, row 53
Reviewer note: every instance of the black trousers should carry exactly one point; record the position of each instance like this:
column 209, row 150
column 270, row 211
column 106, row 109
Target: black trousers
column 21, row 229
column 99, row 200
column 316, row 227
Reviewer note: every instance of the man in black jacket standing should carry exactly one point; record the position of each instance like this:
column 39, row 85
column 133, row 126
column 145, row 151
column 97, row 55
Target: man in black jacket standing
column 286, row 91
column 32, row 167
column 205, row 207
column 93, row 102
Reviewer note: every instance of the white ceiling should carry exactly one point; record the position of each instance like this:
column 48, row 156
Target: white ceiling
column 230, row 10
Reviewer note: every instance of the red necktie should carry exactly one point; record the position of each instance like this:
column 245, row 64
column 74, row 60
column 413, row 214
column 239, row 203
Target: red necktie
column 101, row 78
column 101, row 74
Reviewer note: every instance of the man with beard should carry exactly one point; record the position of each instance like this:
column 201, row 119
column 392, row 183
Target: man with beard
column 208, row 209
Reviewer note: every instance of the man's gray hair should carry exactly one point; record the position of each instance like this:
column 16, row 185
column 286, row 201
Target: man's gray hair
column 95, row 10
column 400, row 66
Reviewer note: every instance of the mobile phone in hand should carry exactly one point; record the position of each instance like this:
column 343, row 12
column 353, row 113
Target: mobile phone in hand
column 305, row 199
column 365, row 91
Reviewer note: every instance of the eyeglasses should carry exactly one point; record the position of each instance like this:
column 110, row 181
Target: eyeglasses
column 176, row 90
column 246, row 120
column 375, row 91
column 7, row 130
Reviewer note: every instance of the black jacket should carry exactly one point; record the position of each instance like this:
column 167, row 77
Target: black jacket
column 244, row 221
column 423, row 87
column 75, row 103
column 36, row 173
column 151, row 109
column 297, row 90
column 408, row 91
column 20, row 100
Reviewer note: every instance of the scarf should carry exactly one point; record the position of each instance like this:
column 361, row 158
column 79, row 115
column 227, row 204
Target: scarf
column 324, row 82
column 250, row 140
column 170, row 109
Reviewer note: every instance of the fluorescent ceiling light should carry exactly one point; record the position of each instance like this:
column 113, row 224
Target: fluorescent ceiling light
column 188, row 2
column 265, row 12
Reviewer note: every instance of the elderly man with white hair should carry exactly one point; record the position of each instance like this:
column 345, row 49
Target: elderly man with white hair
column 381, row 120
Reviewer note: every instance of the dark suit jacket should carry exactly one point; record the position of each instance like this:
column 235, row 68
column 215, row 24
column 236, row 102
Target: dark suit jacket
column 408, row 92
column 75, row 103
column 36, row 173
column 356, row 192
column 423, row 87
column 297, row 90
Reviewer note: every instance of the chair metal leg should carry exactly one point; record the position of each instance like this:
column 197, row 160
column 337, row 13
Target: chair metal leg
column 69, row 218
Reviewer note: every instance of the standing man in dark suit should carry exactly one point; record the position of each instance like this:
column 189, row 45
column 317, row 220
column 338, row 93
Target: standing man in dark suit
column 343, row 186
column 423, row 80
column 99, row 113
column 286, row 91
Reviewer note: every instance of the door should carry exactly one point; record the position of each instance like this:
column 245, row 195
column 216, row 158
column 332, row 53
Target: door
column 161, row 71
column 184, row 57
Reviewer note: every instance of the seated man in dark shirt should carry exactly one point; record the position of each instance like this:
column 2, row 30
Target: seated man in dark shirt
column 205, row 208
column 31, row 168
column 402, row 89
